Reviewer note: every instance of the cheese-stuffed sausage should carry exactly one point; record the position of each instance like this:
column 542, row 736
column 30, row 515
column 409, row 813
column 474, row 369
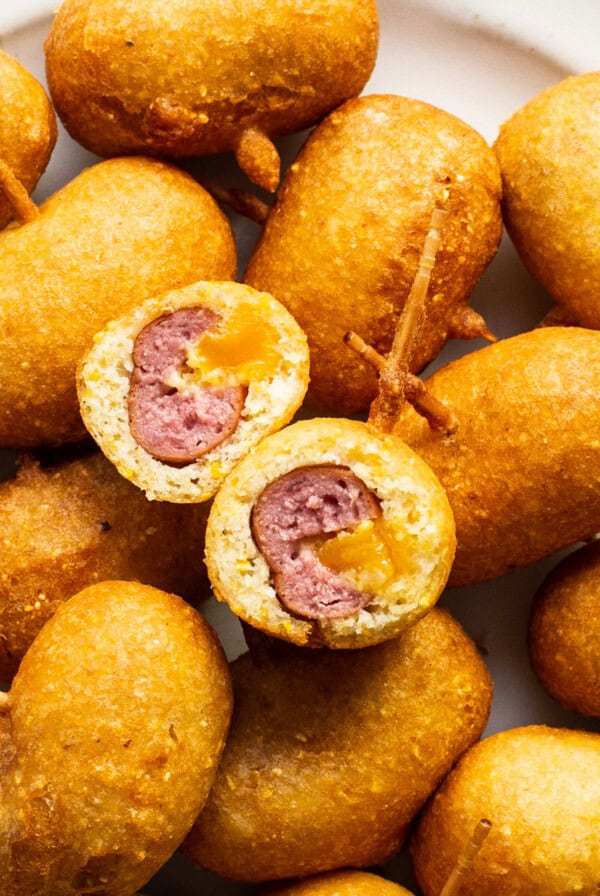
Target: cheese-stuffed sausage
column 330, row 533
column 121, row 231
column 177, row 391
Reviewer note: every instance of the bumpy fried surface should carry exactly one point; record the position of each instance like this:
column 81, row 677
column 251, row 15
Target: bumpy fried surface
column 120, row 232
column 331, row 754
column 70, row 525
column 564, row 631
column 184, row 78
column 521, row 468
column 338, row 883
column 118, row 716
column 341, row 247
column 27, row 127
column 548, row 153
column 540, row 788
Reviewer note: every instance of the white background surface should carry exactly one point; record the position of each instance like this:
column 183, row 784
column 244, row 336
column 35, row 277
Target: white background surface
column 481, row 61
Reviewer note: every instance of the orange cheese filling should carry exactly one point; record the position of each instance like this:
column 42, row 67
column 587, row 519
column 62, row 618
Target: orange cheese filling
column 243, row 347
column 369, row 556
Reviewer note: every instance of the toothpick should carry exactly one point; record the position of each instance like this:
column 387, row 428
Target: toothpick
column 415, row 392
column 366, row 352
column 427, row 405
column 393, row 377
column 239, row 201
column 413, row 316
column 23, row 207
column 466, row 858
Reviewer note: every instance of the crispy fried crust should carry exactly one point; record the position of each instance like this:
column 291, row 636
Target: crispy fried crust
column 331, row 754
column 187, row 78
column 413, row 505
column 548, row 153
column 70, row 525
column 540, row 788
column 564, row 631
column 340, row 249
column 121, row 231
column 27, row 127
column 338, row 883
column 118, row 717
column 521, row 468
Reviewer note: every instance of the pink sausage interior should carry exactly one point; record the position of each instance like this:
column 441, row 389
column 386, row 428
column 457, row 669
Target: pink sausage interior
column 172, row 426
column 307, row 502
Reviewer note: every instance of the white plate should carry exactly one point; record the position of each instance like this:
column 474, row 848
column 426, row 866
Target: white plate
column 480, row 60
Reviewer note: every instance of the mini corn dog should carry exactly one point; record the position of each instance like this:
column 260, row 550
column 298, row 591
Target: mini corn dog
column 332, row 753
column 177, row 391
column 332, row 533
column 564, row 631
column 27, row 128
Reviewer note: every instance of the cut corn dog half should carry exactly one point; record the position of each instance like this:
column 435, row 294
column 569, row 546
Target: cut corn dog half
column 330, row 533
column 180, row 389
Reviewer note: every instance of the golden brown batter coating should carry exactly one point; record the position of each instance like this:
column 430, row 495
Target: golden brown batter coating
column 182, row 78
column 27, row 127
column 341, row 246
column 331, row 754
column 540, row 788
column 338, row 883
column 520, row 469
column 79, row 522
column 548, row 153
column 564, row 631
column 116, row 721
column 121, row 231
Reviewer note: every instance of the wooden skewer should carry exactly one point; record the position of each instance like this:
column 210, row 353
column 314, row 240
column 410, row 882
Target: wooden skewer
column 414, row 312
column 240, row 201
column 396, row 383
column 437, row 414
column 23, row 207
column 366, row 352
column 392, row 378
column 427, row 405
column 466, row 858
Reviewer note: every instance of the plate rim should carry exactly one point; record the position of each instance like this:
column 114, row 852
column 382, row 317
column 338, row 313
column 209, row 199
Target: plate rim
column 548, row 28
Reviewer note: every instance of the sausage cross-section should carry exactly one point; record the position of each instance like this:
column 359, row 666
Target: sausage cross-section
column 296, row 508
column 177, row 425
